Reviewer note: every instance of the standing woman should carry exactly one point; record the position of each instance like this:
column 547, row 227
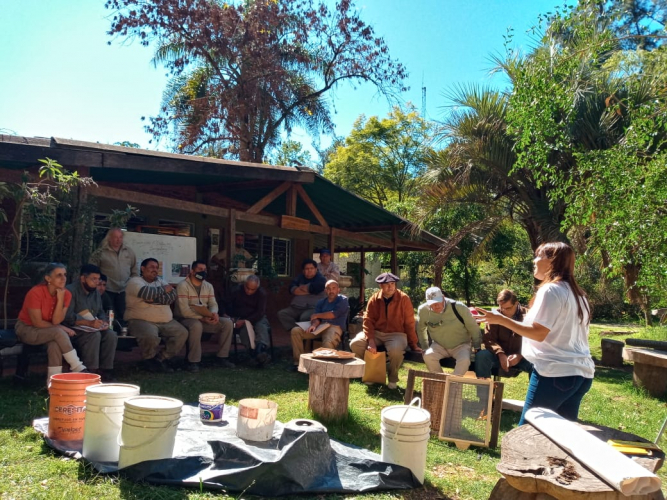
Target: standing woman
column 40, row 320
column 555, row 335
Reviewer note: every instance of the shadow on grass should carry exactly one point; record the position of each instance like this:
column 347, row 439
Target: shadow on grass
column 612, row 376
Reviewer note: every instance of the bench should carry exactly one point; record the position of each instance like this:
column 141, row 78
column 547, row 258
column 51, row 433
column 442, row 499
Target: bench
column 649, row 370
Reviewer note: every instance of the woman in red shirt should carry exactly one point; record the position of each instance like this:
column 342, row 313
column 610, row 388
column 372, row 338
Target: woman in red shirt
column 40, row 320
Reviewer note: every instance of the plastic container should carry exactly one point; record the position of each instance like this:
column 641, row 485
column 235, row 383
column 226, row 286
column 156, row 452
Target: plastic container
column 256, row 419
column 105, row 404
column 211, row 406
column 405, row 431
column 67, row 408
column 149, row 429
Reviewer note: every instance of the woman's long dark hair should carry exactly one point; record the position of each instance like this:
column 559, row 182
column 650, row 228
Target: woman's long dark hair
column 562, row 269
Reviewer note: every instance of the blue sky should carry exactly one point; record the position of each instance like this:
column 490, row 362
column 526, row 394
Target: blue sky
column 59, row 77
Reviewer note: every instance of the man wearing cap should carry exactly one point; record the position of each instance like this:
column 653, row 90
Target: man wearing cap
column 452, row 329
column 502, row 345
column 332, row 310
column 327, row 267
column 389, row 321
column 307, row 289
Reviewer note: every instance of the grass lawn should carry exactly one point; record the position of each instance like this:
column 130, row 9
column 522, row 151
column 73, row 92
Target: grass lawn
column 29, row 469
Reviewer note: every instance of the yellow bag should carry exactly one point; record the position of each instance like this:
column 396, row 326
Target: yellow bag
column 376, row 367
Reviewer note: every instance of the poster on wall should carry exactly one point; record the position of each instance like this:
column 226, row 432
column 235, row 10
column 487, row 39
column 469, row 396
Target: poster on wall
column 174, row 254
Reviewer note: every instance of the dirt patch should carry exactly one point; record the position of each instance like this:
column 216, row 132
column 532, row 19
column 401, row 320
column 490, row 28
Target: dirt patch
column 568, row 474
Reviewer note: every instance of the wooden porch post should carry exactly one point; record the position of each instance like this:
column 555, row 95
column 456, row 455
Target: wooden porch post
column 82, row 219
column 291, row 201
column 231, row 238
column 362, row 279
column 437, row 271
column 394, row 249
column 332, row 242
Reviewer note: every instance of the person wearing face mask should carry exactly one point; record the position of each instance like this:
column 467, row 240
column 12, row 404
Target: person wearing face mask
column 95, row 341
column 197, row 310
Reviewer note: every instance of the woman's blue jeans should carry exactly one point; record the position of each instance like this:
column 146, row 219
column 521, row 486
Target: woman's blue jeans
column 560, row 394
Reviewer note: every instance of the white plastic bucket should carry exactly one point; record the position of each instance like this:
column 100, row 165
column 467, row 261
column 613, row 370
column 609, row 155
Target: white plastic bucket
column 104, row 416
column 256, row 419
column 211, row 406
column 405, row 431
column 149, row 429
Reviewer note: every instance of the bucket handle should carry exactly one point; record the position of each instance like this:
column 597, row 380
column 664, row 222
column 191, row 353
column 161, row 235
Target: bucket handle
column 153, row 438
column 114, row 424
column 398, row 427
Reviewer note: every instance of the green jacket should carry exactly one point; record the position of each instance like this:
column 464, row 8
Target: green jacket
column 445, row 328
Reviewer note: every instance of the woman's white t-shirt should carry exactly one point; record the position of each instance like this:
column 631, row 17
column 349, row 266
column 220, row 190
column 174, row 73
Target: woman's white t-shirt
column 565, row 351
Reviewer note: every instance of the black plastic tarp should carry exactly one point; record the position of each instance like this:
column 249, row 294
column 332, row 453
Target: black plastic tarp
column 299, row 458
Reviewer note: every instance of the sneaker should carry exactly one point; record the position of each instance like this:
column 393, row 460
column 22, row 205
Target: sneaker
column 369, row 384
column 156, row 366
column 224, row 363
column 392, row 385
column 263, row 358
column 192, row 367
column 107, row 376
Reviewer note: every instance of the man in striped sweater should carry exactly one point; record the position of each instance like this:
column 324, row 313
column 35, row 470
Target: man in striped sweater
column 149, row 317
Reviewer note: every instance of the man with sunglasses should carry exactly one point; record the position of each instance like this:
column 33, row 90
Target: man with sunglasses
column 452, row 329
column 95, row 341
column 502, row 347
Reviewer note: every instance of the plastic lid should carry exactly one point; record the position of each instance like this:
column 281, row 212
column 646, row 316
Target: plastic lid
column 154, row 403
column 113, row 389
column 413, row 415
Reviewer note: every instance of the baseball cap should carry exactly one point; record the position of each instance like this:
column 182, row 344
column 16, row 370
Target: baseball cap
column 433, row 295
column 325, row 250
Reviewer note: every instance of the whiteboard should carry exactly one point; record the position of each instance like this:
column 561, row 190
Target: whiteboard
column 174, row 253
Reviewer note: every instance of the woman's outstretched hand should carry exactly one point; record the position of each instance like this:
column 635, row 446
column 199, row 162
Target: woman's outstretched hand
column 491, row 317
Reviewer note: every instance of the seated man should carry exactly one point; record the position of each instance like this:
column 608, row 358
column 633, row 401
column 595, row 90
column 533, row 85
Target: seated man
column 308, row 289
column 149, row 317
column 327, row 267
column 97, row 349
column 502, row 345
column 389, row 321
column 452, row 328
column 247, row 302
column 197, row 310
column 107, row 303
column 333, row 310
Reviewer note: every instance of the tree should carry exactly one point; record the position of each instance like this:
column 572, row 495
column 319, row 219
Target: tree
column 31, row 205
column 244, row 70
column 290, row 154
column 596, row 133
column 383, row 160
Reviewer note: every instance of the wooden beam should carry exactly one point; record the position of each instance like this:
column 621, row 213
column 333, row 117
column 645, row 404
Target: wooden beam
column 306, row 199
column 236, row 186
column 362, row 279
column 231, row 237
column 290, row 208
column 314, row 228
column 185, row 206
column 394, row 250
column 429, row 247
column 261, row 204
column 365, row 238
column 332, row 243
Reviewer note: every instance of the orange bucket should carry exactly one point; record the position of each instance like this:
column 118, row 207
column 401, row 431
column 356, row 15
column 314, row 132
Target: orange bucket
column 67, row 404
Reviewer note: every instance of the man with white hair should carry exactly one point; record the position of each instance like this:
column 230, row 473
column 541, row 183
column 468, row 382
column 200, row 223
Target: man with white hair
column 333, row 309
column 119, row 263
column 452, row 328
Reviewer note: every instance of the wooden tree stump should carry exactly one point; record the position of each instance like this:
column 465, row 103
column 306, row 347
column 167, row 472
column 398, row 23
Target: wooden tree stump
column 650, row 369
column 536, row 468
column 329, row 384
column 612, row 352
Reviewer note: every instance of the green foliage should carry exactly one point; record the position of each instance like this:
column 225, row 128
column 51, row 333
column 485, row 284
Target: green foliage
column 383, row 159
column 119, row 218
column 290, row 154
column 34, row 202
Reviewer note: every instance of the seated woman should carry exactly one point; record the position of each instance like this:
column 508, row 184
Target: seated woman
column 39, row 321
